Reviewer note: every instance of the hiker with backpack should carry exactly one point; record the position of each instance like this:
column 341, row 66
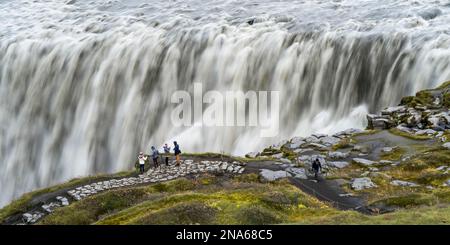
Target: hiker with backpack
column 155, row 155
column 141, row 160
column 166, row 152
column 177, row 152
column 316, row 166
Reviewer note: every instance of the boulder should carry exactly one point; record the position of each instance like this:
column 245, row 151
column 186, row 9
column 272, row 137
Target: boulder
column 425, row 131
column 317, row 145
column 299, row 173
column 270, row 175
column 279, row 145
column 387, row 149
column 447, row 182
column 297, row 145
column 363, row 161
column 285, row 160
column 446, row 145
column 393, row 110
column 403, row 183
column 380, row 175
column 296, row 142
column 277, row 156
column 312, row 139
column 378, row 122
column 348, row 132
column 385, row 162
column 329, row 140
column 300, row 151
column 337, row 154
column 362, row 183
column 404, row 128
column 338, row 164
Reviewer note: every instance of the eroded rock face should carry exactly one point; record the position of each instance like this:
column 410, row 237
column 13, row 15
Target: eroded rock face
column 362, row 183
column 420, row 119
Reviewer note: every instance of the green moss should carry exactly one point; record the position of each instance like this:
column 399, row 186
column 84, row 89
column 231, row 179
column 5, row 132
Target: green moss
column 446, row 100
column 366, row 132
column 423, row 215
column 92, row 208
column 238, row 203
column 408, row 135
column 257, row 215
column 434, row 156
column 443, row 195
column 408, row 100
column 270, row 151
column 444, row 85
column 414, row 165
column 395, row 154
column 289, row 154
column 407, row 201
column 343, row 143
column 423, row 98
column 432, row 178
column 247, row 178
column 181, row 214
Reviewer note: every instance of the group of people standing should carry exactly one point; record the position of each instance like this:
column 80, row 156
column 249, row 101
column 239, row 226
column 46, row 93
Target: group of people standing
column 142, row 158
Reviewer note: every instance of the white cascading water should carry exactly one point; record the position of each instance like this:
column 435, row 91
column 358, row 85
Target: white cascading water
column 85, row 85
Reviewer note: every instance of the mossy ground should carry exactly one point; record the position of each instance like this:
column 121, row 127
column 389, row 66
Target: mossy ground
column 422, row 98
column 242, row 200
column 434, row 215
column 21, row 204
column 394, row 155
column 408, row 135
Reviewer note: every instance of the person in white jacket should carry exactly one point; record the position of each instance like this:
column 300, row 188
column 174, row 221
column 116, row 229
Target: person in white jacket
column 142, row 158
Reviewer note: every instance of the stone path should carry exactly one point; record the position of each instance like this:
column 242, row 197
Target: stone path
column 325, row 190
column 161, row 174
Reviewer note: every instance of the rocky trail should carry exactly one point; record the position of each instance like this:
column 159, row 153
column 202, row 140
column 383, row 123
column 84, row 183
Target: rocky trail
column 325, row 190
column 42, row 205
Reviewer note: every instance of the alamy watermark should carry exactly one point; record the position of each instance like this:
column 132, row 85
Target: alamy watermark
column 229, row 108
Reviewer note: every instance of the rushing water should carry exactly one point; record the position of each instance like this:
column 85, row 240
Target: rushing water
column 85, row 85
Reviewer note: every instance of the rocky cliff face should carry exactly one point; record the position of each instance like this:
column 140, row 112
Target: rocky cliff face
column 426, row 113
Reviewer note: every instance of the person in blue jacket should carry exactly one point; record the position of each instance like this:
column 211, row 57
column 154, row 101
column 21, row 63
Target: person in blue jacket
column 155, row 155
column 177, row 152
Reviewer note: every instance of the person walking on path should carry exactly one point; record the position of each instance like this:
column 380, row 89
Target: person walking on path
column 155, row 155
column 166, row 152
column 142, row 158
column 316, row 166
column 177, row 152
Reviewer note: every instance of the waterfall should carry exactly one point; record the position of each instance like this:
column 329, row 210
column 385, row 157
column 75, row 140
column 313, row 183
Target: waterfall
column 82, row 91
